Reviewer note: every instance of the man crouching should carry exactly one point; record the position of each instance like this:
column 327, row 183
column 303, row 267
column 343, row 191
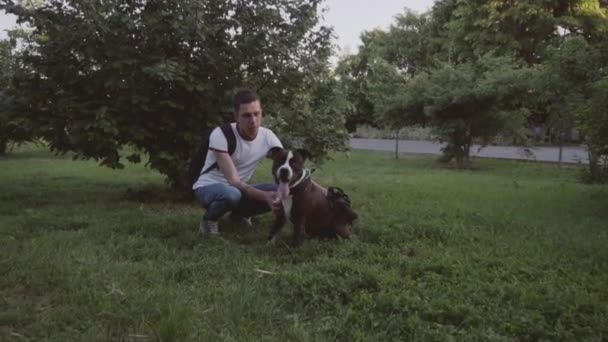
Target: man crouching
column 222, row 185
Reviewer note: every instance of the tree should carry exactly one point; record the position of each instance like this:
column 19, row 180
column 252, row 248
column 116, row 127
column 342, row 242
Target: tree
column 465, row 103
column 525, row 30
column 384, row 62
column 6, row 70
column 564, row 80
column 153, row 74
column 14, row 128
column 592, row 120
column 522, row 29
column 352, row 73
column 317, row 118
column 384, row 82
column 578, row 77
column 409, row 43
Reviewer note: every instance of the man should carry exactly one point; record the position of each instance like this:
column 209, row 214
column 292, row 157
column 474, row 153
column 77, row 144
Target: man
column 225, row 188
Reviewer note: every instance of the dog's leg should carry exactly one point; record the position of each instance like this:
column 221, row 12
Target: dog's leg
column 279, row 222
column 343, row 230
column 299, row 229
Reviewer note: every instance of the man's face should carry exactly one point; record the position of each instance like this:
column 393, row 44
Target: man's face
column 249, row 119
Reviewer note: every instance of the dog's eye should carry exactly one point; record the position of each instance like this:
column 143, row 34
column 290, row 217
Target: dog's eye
column 291, row 162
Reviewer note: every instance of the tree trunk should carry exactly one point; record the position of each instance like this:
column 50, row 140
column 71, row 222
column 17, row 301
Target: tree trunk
column 460, row 154
column 467, row 149
column 462, row 158
column 3, row 146
column 397, row 144
column 561, row 148
column 463, row 146
column 594, row 166
column 459, row 158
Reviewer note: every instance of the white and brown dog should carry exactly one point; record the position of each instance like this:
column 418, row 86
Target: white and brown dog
column 307, row 205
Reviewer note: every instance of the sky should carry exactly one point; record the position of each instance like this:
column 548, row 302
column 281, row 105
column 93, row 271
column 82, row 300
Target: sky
column 349, row 18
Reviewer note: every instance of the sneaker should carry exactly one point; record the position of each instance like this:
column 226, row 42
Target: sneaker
column 246, row 223
column 243, row 222
column 209, row 227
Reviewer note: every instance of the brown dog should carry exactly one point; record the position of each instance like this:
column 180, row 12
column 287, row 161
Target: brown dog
column 305, row 203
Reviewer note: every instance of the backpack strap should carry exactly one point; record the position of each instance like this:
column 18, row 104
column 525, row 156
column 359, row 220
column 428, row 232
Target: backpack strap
column 230, row 138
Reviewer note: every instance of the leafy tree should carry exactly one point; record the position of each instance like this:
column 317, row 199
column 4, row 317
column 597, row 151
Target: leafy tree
column 593, row 123
column 382, row 65
column 522, row 29
column 6, row 70
column 465, row 103
column 14, row 128
column 353, row 71
column 574, row 83
column 153, row 74
column 409, row 43
column 404, row 54
column 564, row 79
column 385, row 82
column 316, row 120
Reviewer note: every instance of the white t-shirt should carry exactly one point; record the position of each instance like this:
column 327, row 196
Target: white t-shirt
column 246, row 156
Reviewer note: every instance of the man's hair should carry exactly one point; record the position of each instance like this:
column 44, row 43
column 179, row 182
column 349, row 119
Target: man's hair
column 244, row 96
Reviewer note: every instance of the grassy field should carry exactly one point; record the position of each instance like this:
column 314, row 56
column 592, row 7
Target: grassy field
column 510, row 251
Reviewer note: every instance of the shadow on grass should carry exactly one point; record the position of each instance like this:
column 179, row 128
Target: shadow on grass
column 156, row 193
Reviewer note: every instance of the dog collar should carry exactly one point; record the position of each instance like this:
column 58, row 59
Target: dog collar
column 305, row 174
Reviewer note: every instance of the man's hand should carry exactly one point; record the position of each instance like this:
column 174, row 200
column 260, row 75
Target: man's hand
column 273, row 201
column 229, row 170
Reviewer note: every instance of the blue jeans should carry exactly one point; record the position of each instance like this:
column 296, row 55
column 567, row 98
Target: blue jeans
column 219, row 199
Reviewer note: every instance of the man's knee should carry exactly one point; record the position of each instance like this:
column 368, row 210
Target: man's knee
column 233, row 196
column 220, row 194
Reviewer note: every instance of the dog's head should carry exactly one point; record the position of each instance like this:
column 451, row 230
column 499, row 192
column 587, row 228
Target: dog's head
column 287, row 165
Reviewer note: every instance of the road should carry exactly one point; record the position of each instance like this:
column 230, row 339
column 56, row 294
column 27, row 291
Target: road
column 546, row 154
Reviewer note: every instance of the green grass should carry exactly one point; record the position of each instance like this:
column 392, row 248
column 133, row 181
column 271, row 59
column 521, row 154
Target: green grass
column 510, row 251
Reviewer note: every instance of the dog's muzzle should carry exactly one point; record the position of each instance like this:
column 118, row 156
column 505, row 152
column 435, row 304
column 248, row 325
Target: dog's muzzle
column 284, row 174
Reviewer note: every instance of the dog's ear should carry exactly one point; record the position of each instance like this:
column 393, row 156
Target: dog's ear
column 273, row 152
column 304, row 153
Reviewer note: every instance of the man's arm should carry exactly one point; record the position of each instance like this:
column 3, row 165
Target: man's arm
column 229, row 170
